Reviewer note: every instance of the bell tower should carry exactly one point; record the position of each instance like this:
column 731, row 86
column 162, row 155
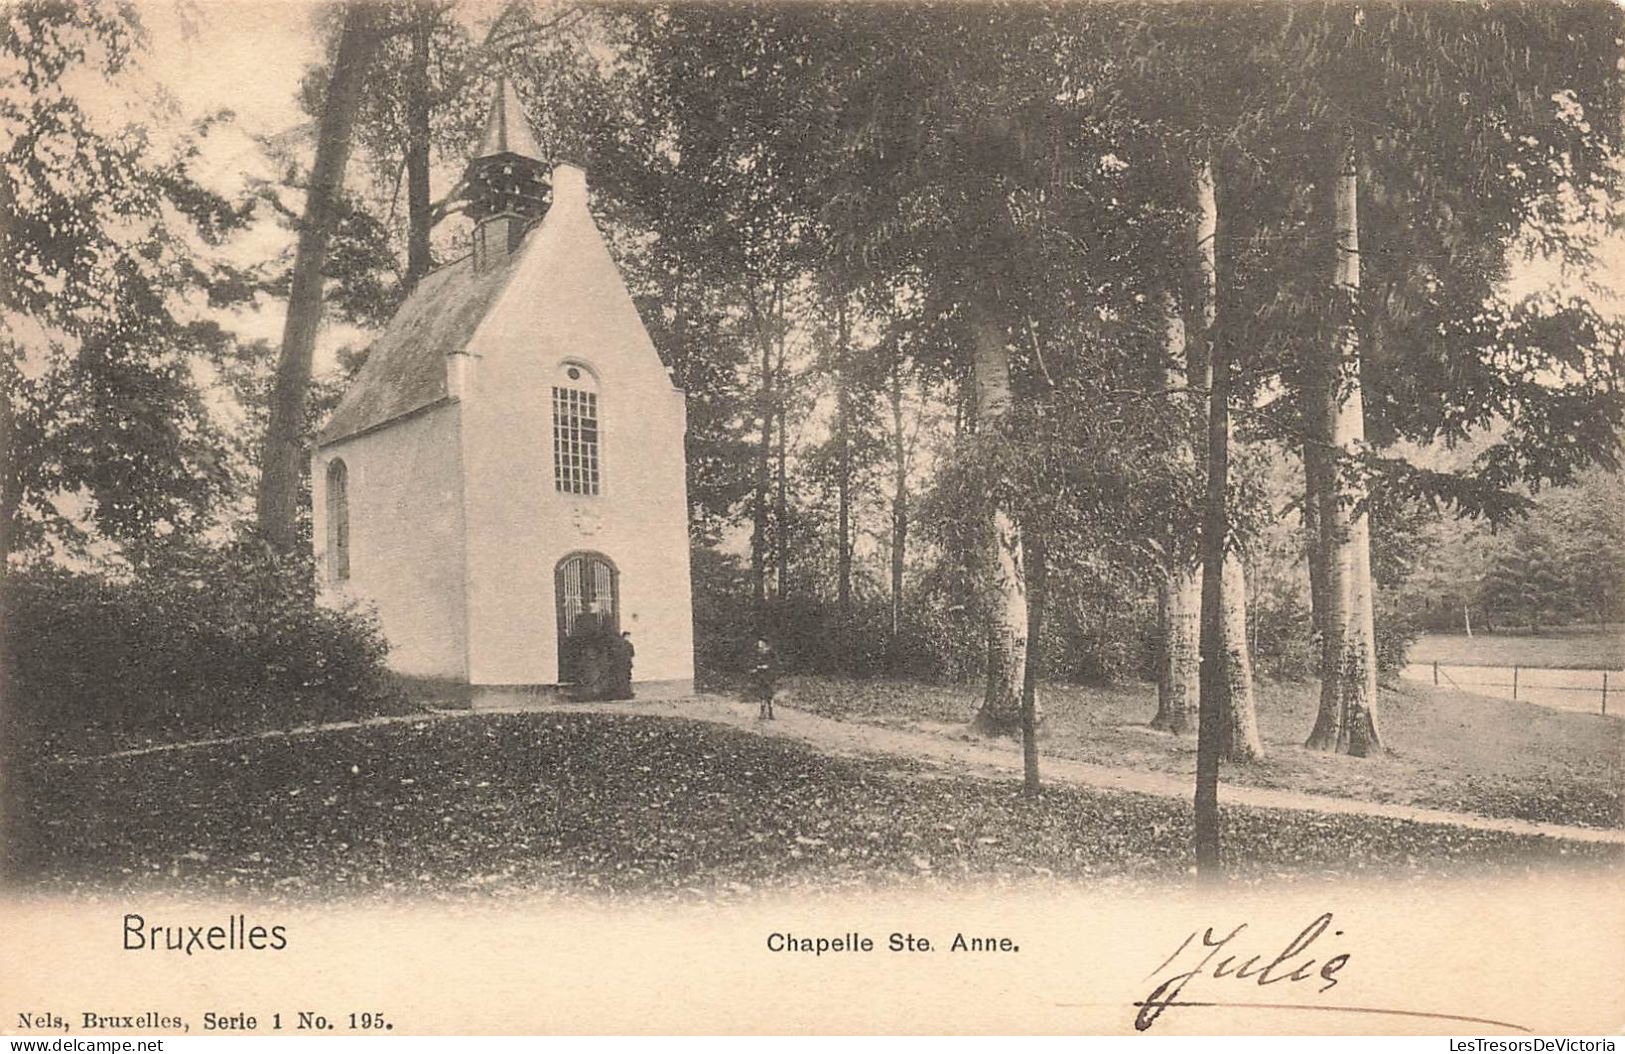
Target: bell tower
column 506, row 182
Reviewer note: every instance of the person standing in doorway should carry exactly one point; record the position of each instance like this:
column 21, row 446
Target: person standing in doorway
column 592, row 658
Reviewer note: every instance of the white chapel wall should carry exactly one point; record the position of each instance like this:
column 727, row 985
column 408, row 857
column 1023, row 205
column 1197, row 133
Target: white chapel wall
column 406, row 539
column 566, row 303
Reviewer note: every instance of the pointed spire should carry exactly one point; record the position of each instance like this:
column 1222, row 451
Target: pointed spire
column 506, row 129
column 505, row 183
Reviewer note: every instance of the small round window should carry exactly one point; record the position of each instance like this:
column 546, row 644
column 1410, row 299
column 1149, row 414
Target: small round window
column 573, row 373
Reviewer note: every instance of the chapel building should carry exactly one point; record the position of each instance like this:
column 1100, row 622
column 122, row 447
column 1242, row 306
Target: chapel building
column 509, row 461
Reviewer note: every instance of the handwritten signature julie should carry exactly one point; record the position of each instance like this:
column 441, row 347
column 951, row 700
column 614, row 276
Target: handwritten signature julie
column 1291, row 966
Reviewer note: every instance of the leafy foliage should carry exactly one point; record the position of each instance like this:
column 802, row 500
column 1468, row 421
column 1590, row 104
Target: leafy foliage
column 107, row 232
column 200, row 640
column 748, row 158
column 1559, row 562
column 1032, row 155
column 724, row 628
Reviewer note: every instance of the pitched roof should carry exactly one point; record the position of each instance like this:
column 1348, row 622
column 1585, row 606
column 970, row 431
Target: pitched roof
column 506, row 129
column 406, row 367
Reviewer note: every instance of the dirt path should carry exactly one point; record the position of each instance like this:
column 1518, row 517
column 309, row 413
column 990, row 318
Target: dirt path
column 988, row 759
column 1002, row 759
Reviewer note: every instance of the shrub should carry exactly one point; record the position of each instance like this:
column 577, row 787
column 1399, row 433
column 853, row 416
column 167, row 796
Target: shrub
column 1283, row 641
column 1398, row 628
column 1101, row 634
column 220, row 639
column 724, row 617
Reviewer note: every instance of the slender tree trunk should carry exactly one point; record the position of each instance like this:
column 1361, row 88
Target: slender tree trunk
column 418, row 206
column 1004, row 575
column 283, row 456
column 899, row 500
column 843, row 482
column 1360, row 722
column 1179, row 600
column 1037, row 582
column 11, row 487
column 763, row 471
column 1349, row 662
column 1239, row 739
column 1215, row 685
column 1215, row 682
column 1325, row 585
column 17, row 740
column 758, row 538
column 965, row 414
column 781, row 500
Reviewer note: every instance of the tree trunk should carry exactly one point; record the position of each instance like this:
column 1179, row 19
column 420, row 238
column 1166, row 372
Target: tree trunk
column 283, row 456
column 1215, row 682
column 1179, row 609
column 18, row 833
column 781, row 501
column 1325, row 586
column 418, row 202
column 1240, row 741
column 843, row 482
column 1037, row 580
column 1004, row 578
column 1360, row 663
column 899, row 500
column 763, row 468
column 1349, row 662
column 11, row 488
column 1179, row 600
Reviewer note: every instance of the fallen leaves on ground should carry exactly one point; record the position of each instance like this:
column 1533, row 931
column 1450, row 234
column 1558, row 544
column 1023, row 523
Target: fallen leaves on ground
column 582, row 803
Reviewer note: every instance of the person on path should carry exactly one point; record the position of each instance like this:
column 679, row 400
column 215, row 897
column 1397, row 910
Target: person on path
column 764, row 676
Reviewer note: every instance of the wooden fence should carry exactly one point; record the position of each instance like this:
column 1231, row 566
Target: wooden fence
column 1585, row 690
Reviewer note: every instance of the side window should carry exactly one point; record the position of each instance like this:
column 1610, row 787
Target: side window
column 338, row 521
column 575, row 431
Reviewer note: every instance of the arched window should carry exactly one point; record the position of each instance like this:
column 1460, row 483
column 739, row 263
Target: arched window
column 575, row 430
column 338, row 521
column 587, row 583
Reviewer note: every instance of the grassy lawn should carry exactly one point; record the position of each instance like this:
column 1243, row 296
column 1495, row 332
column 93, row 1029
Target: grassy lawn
column 1448, row 749
column 1578, row 648
column 495, row 805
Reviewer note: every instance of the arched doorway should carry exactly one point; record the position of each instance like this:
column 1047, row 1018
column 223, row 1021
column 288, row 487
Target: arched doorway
column 587, row 590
